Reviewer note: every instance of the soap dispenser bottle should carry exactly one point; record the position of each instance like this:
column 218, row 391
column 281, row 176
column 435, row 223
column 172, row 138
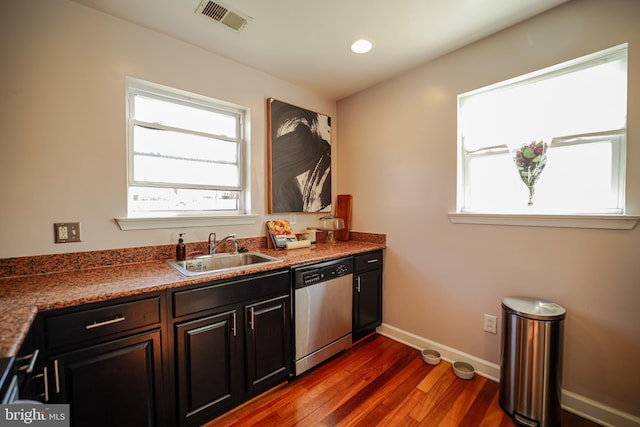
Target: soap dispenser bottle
column 181, row 249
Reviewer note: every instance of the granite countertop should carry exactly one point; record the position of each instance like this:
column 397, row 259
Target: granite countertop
column 23, row 297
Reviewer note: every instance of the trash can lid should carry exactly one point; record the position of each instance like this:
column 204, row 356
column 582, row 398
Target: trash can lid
column 534, row 308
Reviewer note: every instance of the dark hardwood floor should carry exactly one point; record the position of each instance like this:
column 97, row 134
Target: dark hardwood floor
column 379, row 382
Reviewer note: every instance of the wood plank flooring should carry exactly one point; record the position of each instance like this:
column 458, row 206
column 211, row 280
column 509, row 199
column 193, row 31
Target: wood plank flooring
column 379, row 382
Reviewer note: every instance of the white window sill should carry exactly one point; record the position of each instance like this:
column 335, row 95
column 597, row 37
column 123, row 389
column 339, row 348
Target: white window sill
column 613, row 222
column 148, row 223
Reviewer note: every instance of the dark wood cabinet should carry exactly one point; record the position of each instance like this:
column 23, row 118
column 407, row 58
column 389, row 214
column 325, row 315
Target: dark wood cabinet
column 111, row 384
column 109, row 378
column 267, row 343
column 367, row 294
column 22, row 377
column 207, row 365
column 232, row 340
column 181, row 356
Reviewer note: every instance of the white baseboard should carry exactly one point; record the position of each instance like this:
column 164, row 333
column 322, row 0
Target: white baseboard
column 482, row 367
column 596, row 411
column 571, row 402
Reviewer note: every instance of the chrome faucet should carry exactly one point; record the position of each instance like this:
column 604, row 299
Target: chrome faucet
column 213, row 245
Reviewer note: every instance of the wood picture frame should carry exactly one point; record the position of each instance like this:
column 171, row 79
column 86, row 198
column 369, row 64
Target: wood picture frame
column 299, row 159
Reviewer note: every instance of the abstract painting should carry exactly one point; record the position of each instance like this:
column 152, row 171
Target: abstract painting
column 299, row 159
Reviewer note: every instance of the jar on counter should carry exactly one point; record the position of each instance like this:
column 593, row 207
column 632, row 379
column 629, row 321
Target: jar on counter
column 310, row 234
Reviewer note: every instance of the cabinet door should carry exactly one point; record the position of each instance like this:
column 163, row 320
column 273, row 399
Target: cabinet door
column 367, row 303
column 208, row 372
column 117, row 383
column 268, row 343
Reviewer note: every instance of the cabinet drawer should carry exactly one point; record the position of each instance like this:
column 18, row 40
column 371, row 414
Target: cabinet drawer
column 90, row 323
column 231, row 292
column 368, row 261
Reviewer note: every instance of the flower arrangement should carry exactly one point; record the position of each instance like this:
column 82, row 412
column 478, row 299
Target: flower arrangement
column 530, row 160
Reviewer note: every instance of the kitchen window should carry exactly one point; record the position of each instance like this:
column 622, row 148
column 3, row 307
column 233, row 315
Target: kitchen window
column 186, row 154
column 572, row 115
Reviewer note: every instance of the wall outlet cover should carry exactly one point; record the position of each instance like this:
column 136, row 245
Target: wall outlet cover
column 65, row 232
column 490, row 324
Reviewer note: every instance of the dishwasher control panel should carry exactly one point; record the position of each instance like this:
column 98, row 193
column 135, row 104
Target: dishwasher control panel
column 311, row 278
column 316, row 273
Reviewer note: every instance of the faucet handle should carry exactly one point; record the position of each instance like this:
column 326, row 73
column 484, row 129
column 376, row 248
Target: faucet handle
column 212, row 242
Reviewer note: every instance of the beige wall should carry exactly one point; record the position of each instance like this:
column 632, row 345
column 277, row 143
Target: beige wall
column 62, row 122
column 397, row 156
column 63, row 159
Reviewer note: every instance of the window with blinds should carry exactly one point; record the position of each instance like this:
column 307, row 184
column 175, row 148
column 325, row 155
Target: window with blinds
column 576, row 111
column 185, row 152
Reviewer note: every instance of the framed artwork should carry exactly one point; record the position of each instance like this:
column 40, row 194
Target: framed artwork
column 299, row 150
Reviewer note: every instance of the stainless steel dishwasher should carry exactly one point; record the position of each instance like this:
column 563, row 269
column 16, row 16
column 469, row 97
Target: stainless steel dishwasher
column 323, row 295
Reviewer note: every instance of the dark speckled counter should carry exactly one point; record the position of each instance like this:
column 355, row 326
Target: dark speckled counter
column 22, row 297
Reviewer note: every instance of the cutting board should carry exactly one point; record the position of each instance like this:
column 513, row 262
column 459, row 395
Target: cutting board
column 343, row 210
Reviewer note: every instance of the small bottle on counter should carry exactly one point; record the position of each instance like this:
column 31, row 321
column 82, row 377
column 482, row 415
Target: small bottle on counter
column 181, row 249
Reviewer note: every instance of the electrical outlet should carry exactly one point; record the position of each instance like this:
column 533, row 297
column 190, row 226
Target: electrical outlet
column 65, row 232
column 490, row 324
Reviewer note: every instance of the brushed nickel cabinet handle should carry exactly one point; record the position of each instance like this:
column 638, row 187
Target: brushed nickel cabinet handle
column 45, row 372
column 234, row 323
column 56, row 373
column 106, row 322
column 371, row 261
column 358, row 283
column 32, row 363
column 253, row 318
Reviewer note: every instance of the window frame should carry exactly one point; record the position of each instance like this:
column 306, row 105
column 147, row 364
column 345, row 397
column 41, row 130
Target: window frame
column 464, row 214
column 132, row 123
column 164, row 219
column 617, row 138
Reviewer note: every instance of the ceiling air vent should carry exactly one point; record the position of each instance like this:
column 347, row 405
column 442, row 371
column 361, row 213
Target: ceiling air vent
column 223, row 14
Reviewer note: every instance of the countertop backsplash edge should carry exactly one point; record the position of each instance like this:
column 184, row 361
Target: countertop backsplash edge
column 74, row 261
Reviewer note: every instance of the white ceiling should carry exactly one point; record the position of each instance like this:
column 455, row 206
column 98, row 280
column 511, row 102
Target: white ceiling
column 306, row 42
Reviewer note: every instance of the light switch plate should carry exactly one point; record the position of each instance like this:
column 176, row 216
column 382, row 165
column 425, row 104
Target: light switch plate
column 65, row 232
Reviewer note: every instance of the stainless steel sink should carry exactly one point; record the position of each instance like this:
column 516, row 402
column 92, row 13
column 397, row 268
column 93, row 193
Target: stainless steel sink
column 220, row 262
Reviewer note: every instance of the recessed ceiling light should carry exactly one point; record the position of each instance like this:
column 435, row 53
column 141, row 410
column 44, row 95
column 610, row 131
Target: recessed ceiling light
column 361, row 46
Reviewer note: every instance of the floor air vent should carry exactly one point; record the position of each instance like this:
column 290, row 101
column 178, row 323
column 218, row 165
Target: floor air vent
column 223, row 14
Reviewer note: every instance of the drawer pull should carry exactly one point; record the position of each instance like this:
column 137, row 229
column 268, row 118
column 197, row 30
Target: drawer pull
column 33, row 357
column 45, row 374
column 106, row 322
column 371, row 261
column 57, row 375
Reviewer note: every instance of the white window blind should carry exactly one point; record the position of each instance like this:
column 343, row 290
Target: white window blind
column 185, row 152
column 577, row 108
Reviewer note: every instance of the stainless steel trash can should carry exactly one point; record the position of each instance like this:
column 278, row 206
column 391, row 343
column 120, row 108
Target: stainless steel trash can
column 531, row 367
